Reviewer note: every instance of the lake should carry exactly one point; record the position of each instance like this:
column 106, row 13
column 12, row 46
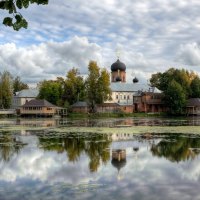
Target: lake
column 43, row 164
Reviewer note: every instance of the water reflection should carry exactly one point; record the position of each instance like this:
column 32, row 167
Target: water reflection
column 109, row 122
column 176, row 147
column 9, row 146
column 95, row 146
column 100, row 166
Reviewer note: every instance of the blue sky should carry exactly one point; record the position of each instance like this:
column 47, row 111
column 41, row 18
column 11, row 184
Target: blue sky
column 151, row 36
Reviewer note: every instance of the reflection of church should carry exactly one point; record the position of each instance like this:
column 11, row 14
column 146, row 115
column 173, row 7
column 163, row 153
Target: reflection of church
column 136, row 96
column 118, row 159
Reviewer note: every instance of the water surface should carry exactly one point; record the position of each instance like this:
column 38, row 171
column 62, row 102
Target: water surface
column 47, row 165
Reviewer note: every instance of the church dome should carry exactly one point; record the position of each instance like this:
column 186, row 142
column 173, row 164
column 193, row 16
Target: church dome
column 118, row 79
column 118, row 65
column 135, row 80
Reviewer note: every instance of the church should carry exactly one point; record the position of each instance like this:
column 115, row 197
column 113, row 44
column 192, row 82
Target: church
column 127, row 97
column 135, row 96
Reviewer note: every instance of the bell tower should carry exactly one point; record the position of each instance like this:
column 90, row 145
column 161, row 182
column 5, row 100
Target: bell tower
column 118, row 71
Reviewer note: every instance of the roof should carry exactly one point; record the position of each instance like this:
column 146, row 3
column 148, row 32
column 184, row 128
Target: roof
column 27, row 93
column 193, row 102
column 118, row 65
column 38, row 103
column 130, row 87
column 80, row 104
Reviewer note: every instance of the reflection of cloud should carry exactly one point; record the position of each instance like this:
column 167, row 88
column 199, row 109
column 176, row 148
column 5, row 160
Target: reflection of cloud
column 144, row 177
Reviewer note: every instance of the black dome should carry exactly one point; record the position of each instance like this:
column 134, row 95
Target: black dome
column 118, row 65
column 135, row 80
column 118, row 79
column 118, row 163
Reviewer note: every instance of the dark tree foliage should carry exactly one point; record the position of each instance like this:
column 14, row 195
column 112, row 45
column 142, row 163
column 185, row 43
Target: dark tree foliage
column 18, row 85
column 175, row 97
column 181, row 76
column 51, row 91
column 16, row 20
column 195, row 87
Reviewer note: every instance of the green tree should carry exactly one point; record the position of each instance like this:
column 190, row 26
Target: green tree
column 181, row 76
column 18, row 85
column 175, row 98
column 74, row 87
column 97, row 85
column 16, row 20
column 195, row 87
column 6, row 90
column 51, row 91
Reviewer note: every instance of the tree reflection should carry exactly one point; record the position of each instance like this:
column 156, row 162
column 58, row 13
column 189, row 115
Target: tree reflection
column 9, row 146
column 95, row 146
column 177, row 147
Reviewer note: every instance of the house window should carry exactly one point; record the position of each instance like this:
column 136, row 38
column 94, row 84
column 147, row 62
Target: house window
column 128, row 97
column 120, row 96
column 124, row 96
column 49, row 108
column 116, row 96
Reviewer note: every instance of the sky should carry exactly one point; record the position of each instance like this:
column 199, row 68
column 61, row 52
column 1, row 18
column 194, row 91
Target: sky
column 149, row 37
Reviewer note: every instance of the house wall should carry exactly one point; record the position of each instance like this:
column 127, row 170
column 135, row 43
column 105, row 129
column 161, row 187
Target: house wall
column 38, row 111
column 107, row 109
column 193, row 110
column 123, row 98
column 80, row 109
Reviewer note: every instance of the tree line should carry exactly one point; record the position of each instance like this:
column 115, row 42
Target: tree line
column 94, row 89
column 178, row 85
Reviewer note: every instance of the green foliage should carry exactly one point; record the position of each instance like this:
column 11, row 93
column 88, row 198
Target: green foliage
column 17, row 21
column 175, row 97
column 18, row 85
column 74, row 87
column 181, row 76
column 195, row 87
column 6, row 89
column 51, row 91
column 177, row 148
column 177, row 85
column 95, row 146
column 97, row 85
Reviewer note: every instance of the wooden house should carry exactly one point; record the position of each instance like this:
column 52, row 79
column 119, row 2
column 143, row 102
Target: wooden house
column 38, row 107
column 80, row 107
column 193, row 106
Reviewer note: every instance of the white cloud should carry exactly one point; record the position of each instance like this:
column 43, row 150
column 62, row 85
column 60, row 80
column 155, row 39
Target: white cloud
column 150, row 33
column 48, row 60
column 189, row 54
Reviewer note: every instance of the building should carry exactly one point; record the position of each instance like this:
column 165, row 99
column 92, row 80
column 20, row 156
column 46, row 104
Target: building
column 21, row 97
column 38, row 107
column 133, row 97
column 80, row 107
column 193, row 106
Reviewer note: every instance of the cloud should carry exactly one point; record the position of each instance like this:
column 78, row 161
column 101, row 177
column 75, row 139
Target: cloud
column 189, row 54
column 149, row 32
column 48, row 60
